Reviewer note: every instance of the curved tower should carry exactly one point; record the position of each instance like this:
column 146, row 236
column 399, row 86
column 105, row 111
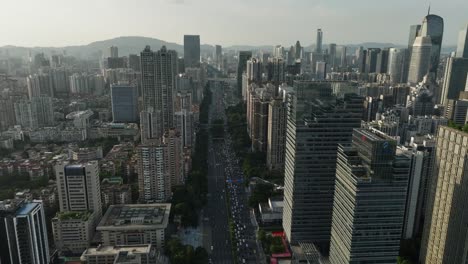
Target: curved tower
column 433, row 26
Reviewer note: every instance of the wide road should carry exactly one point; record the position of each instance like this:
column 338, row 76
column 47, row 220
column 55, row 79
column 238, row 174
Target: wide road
column 217, row 240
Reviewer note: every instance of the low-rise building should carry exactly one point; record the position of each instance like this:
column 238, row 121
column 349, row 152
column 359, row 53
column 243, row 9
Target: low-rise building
column 135, row 224
column 73, row 231
column 138, row 254
column 271, row 212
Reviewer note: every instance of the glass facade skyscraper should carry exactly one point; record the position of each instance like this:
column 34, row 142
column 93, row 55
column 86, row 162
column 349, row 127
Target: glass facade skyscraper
column 370, row 199
column 316, row 123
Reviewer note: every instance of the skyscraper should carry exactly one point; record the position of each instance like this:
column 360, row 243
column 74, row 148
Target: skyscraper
column 433, row 27
column 318, row 43
column 79, row 187
column 114, row 52
column 462, row 45
column 124, row 103
column 413, row 33
column 321, row 70
column 371, row 59
column 396, row 61
column 183, row 117
column 367, row 220
column 382, row 61
column 40, row 84
column 420, row 59
column 332, row 55
column 297, row 50
column 159, row 71
column 243, row 57
column 218, row 56
column 154, row 181
column 445, row 229
column 276, row 134
column 316, row 123
column 254, row 70
column 34, row 113
column 175, row 169
column 79, row 193
column 191, row 51
column 23, row 232
column 456, row 70
column 134, row 62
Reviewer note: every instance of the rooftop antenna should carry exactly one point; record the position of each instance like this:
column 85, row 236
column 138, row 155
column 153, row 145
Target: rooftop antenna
column 429, row 9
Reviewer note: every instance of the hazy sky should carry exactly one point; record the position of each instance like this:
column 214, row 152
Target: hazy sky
column 228, row 22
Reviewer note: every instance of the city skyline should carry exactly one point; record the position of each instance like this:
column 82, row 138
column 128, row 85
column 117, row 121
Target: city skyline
column 215, row 26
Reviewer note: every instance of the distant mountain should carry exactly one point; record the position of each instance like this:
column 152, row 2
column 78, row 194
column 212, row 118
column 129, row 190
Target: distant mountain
column 135, row 44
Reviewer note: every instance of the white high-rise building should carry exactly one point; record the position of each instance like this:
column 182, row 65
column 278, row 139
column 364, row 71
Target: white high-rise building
column 80, row 205
column 420, row 59
column 154, row 181
column 396, row 61
column 79, row 186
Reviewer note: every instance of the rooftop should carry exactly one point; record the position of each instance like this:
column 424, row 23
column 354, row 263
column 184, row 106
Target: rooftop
column 84, row 216
column 115, row 250
column 135, row 216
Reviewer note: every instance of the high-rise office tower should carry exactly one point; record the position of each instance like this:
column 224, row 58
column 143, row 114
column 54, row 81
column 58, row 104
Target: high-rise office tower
column 316, row 123
column 462, row 45
column 413, row 33
column 298, row 50
column 367, row 220
column 218, row 56
column 278, row 51
column 154, row 181
column 318, row 42
column 456, row 71
column 291, row 56
column 433, row 27
column 276, row 71
column 321, row 70
column 362, row 60
column 159, row 71
column 114, row 52
column 23, row 232
column 276, row 139
column 79, row 193
column 243, row 57
column 79, row 187
column 371, row 59
column 421, row 152
column 420, row 59
column 445, row 229
column 191, row 51
column 332, row 55
column 396, row 61
column 343, row 56
column 382, row 61
column 124, row 103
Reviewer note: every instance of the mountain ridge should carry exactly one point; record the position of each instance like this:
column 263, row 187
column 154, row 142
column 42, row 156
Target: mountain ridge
column 135, row 44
